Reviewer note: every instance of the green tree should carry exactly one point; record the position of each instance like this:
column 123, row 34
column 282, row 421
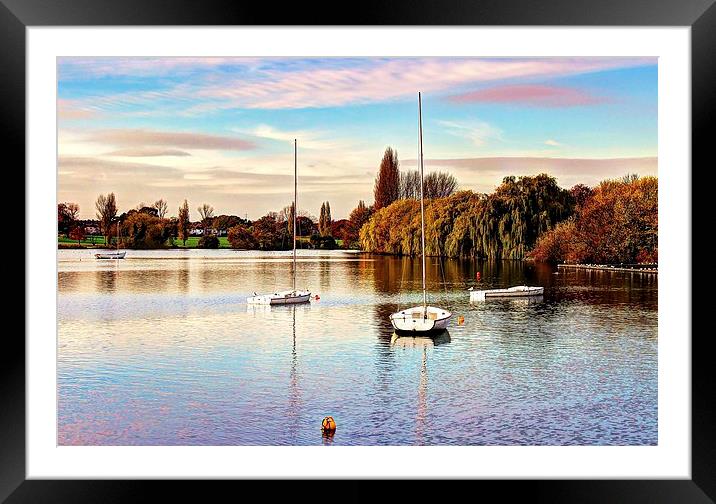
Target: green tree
column 325, row 220
column 183, row 222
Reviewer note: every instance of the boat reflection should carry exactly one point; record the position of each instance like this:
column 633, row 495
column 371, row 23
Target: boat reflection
column 407, row 341
column 280, row 308
column 516, row 301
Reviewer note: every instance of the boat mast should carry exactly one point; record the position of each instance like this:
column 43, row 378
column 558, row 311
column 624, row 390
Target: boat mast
column 295, row 208
column 422, row 205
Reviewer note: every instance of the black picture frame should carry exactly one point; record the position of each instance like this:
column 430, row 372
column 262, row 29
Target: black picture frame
column 17, row 15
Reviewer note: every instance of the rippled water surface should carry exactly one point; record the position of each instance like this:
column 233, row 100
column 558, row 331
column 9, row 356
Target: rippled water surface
column 161, row 349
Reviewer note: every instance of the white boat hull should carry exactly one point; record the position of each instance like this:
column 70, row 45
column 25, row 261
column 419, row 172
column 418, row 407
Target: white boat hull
column 519, row 291
column 420, row 320
column 111, row 255
column 281, row 298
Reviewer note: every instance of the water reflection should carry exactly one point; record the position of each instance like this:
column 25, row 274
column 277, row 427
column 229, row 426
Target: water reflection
column 400, row 341
column 180, row 358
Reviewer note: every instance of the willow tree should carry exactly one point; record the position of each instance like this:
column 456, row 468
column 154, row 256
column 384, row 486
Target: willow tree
column 387, row 182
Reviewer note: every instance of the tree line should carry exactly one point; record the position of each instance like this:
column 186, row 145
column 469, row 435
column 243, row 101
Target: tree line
column 616, row 222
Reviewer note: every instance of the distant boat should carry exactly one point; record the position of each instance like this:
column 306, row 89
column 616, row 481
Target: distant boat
column 518, row 291
column 421, row 319
column 292, row 296
column 112, row 255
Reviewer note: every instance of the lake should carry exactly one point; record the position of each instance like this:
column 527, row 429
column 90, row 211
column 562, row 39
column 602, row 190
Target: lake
column 161, row 349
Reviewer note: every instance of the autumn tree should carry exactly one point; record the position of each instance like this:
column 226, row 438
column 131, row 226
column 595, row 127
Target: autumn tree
column 106, row 211
column 161, row 207
column 67, row 214
column 78, row 233
column 240, row 237
column 387, row 182
column 616, row 222
column 206, row 212
column 183, row 222
column 359, row 216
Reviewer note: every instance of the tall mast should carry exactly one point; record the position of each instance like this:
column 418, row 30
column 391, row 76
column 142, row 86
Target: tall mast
column 422, row 205
column 295, row 208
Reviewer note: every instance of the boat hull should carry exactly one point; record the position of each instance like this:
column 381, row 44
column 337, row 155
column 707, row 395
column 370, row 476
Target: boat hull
column 416, row 321
column 116, row 255
column 281, row 298
column 512, row 292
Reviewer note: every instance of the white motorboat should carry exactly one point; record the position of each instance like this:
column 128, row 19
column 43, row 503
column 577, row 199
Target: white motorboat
column 279, row 298
column 421, row 319
column 290, row 296
column 112, row 255
column 518, row 291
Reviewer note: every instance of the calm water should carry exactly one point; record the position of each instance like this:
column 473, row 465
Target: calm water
column 161, row 349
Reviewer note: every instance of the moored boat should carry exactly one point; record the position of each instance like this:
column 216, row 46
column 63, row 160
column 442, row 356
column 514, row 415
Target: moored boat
column 111, row 255
column 517, row 291
column 292, row 296
column 423, row 319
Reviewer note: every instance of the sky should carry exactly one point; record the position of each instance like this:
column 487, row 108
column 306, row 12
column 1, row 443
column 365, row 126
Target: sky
column 221, row 130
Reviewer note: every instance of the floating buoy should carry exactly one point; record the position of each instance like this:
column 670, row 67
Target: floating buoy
column 460, row 320
column 478, row 276
column 317, row 297
column 328, row 426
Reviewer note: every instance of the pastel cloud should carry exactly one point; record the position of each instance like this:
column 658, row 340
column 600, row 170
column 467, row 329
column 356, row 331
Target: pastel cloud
column 552, row 143
column 280, row 84
column 73, row 110
column 153, row 138
column 147, row 152
column 532, row 95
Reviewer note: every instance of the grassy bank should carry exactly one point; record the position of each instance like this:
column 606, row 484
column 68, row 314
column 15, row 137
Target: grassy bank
column 192, row 242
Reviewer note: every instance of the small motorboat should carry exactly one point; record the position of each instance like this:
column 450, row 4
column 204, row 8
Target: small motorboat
column 518, row 291
column 280, row 298
column 111, row 255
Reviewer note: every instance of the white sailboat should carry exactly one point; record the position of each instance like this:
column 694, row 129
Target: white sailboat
column 292, row 296
column 421, row 319
column 112, row 255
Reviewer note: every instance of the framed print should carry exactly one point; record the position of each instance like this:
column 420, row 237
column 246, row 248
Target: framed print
column 339, row 252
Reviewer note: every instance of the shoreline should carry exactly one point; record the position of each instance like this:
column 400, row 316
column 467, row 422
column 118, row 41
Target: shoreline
column 648, row 269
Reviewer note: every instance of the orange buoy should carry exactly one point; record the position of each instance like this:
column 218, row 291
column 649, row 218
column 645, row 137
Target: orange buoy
column 328, row 425
column 317, row 297
column 478, row 276
column 460, row 320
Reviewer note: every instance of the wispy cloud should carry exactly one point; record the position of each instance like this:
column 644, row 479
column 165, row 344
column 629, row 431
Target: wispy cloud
column 307, row 139
column 552, row 143
column 478, row 132
column 278, row 84
column 147, row 152
column 531, row 95
column 143, row 138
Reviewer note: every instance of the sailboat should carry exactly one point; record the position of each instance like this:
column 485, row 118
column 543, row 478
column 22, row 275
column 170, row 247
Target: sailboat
column 421, row 319
column 292, row 296
column 113, row 255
